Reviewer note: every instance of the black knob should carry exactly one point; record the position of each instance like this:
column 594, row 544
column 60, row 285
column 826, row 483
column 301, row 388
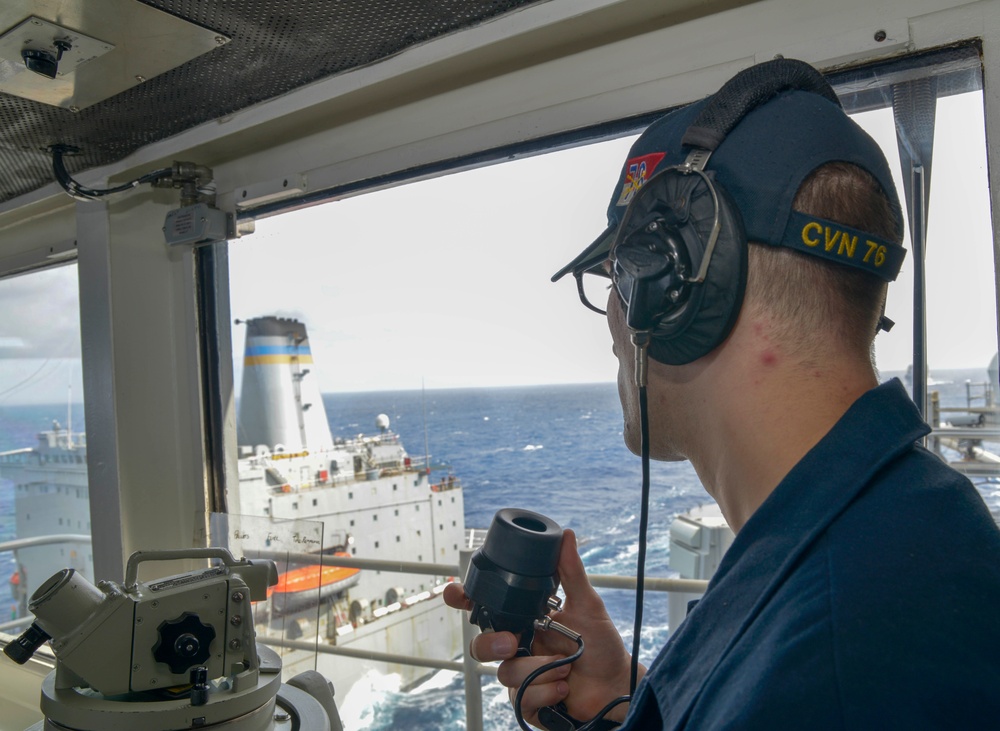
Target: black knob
column 183, row 642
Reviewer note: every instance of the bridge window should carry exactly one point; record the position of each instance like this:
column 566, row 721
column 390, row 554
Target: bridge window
column 43, row 411
column 930, row 123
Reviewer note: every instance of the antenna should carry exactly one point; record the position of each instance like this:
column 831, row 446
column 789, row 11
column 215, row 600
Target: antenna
column 427, row 450
column 69, row 416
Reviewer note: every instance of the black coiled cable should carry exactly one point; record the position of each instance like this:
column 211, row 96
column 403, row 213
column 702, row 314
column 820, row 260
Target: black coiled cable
column 83, row 193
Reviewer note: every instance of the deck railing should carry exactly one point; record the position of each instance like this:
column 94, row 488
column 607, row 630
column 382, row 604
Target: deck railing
column 471, row 669
column 468, row 666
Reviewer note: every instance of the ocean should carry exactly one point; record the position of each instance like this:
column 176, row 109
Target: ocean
column 554, row 449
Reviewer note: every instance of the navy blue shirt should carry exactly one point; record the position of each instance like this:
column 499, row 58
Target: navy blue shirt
column 864, row 593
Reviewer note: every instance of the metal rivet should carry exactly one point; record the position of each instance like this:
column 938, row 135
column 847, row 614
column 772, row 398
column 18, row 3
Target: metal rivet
column 234, row 644
column 138, row 620
column 74, row 108
column 236, row 620
column 140, row 78
column 281, row 716
column 220, row 39
column 880, row 36
column 237, row 596
column 154, row 604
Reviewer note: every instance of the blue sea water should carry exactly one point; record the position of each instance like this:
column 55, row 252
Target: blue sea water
column 557, row 450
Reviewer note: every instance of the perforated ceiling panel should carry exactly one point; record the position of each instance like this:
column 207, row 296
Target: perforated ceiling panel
column 276, row 46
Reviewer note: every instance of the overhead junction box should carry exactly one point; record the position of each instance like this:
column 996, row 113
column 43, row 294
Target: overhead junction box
column 61, row 53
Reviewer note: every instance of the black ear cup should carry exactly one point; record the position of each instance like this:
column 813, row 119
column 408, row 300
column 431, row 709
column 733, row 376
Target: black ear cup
column 659, row 255
column 688, row 316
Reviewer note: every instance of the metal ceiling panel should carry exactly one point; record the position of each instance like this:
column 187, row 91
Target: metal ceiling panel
column 109, row 46
column 276, row 46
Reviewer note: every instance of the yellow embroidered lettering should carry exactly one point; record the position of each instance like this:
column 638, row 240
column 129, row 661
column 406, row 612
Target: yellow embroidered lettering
column 831, row 241
column 847, row 245
column 810, row 233
column 872, row 247
column 880, row 256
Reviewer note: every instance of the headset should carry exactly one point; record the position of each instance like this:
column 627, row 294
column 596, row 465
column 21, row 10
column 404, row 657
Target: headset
column 679, row 259
column 680, row 256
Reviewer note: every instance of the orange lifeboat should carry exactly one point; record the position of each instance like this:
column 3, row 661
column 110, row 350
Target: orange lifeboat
column 307, row 585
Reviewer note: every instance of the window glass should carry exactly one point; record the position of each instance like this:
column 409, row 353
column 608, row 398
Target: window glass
column 961, row 305
column 427, row 322
column 43, row 448
column 960, row 291
column 423, row 317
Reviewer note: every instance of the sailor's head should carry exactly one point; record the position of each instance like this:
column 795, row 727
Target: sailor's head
column 787, row 171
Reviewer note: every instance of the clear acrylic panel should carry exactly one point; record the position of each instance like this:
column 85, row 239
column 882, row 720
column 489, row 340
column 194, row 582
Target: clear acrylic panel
column 305, row 603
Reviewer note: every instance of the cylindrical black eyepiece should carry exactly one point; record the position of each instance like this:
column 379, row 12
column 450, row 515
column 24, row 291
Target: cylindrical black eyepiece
column 513, row 574
column 21, row 649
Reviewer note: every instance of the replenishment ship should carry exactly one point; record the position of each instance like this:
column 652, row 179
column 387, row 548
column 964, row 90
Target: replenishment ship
column 300, row 491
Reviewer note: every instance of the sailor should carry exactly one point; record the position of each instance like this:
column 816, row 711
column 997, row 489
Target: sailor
column 862, row 587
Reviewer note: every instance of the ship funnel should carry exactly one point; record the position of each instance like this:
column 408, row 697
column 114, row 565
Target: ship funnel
column 280, row 404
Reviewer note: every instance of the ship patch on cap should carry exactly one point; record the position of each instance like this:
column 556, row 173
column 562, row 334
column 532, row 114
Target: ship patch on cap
column 637, row 171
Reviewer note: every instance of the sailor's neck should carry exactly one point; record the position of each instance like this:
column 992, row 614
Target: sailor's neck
column 767, row 412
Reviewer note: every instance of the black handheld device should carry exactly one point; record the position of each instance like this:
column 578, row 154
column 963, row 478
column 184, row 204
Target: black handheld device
column 512, row 576
column 511, row 582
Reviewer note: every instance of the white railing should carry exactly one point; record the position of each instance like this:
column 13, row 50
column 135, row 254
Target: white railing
column 468, row 666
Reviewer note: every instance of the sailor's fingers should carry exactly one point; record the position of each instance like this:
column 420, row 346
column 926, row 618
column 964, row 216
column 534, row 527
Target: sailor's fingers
column 573, row 576
column 548, row 689
column 490, row 646
column 512, row 673
column 454, row 597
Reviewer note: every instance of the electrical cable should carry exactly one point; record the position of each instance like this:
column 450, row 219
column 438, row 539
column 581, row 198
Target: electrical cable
column 592, row 723
column 26, row 381
column 639, row 593
column 83, row 193
column 643, row 526
column 641, row 342
column 518, row 714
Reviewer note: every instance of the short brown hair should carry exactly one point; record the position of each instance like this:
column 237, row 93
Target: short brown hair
column 807, row 296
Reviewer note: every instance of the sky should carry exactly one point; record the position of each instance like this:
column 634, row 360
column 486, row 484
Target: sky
column 444, row 283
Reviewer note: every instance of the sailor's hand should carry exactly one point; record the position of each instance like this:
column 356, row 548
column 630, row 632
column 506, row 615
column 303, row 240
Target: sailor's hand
column 599, row 676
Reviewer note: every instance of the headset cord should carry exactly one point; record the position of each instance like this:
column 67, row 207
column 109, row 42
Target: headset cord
column 640, row 572
column 558, row 714
column 544, row 624
column 641, row 341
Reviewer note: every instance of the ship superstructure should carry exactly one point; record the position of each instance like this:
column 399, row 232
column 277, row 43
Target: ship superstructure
column 373, row 499
column 363, row 497
column 52, row 498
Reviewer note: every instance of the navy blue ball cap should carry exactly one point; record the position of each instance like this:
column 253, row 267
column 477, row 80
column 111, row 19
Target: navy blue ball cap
column 761, row 163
